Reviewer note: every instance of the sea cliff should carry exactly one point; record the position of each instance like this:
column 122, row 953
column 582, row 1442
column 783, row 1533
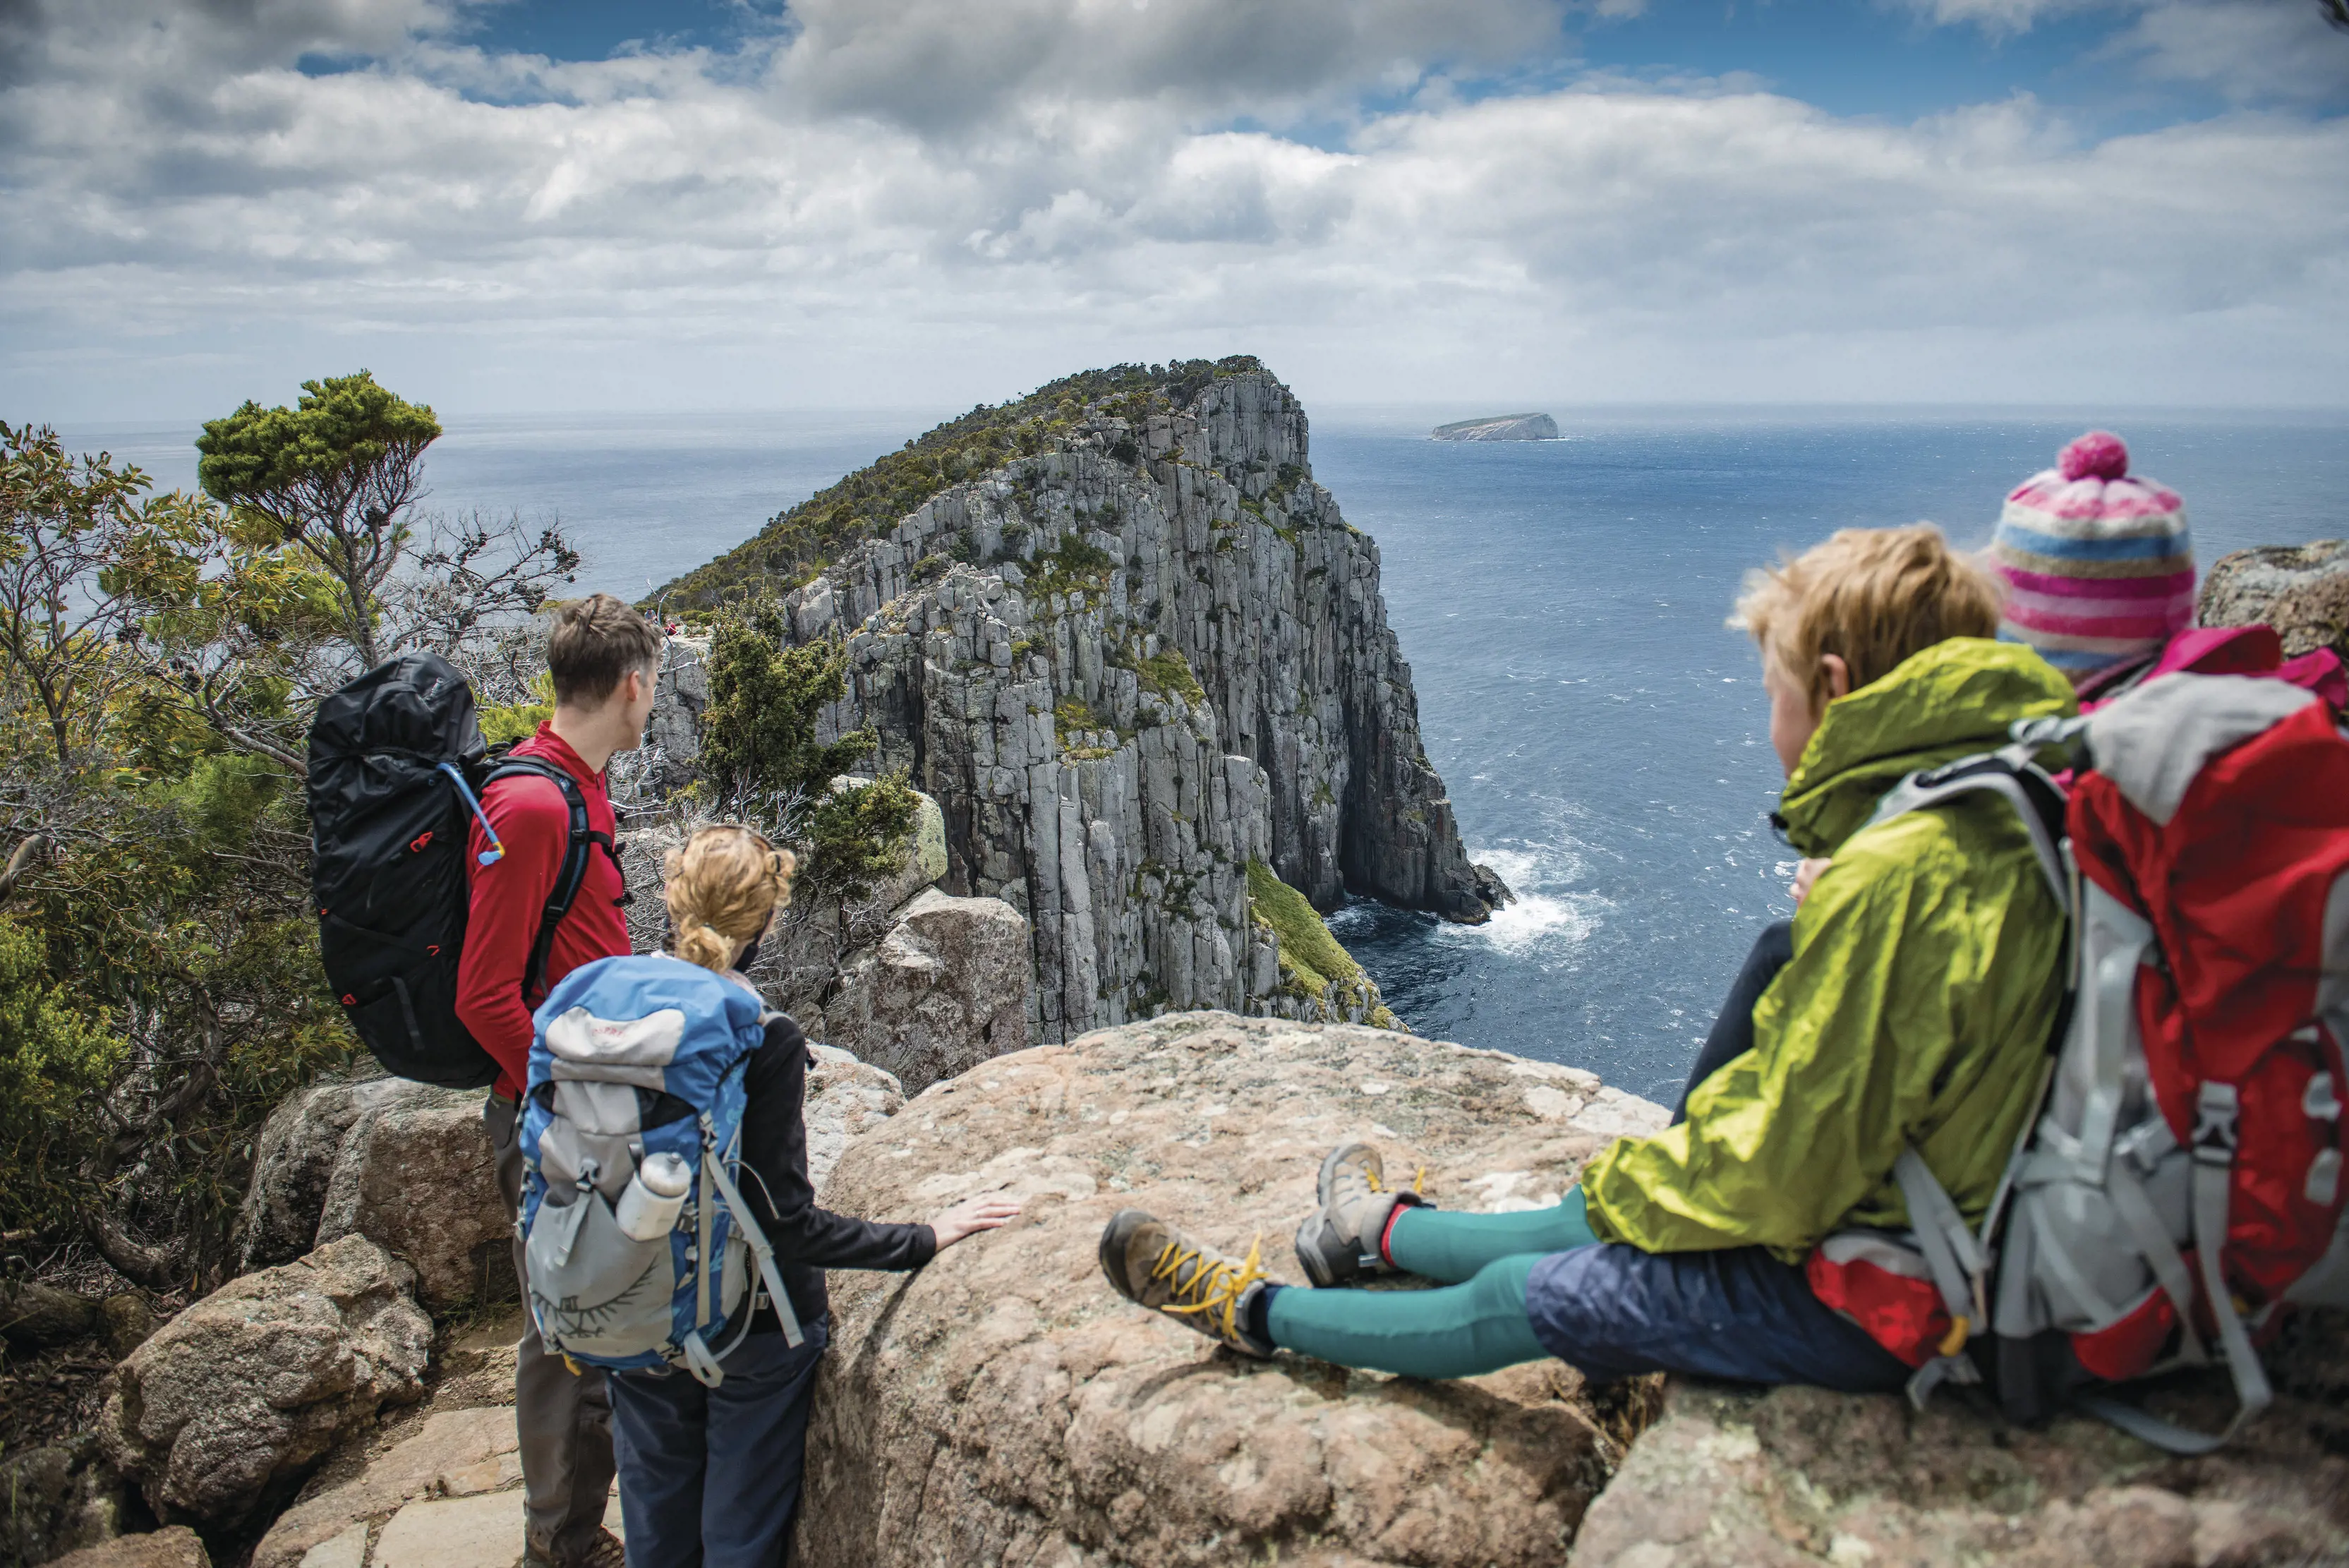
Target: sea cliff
column 1138, row 655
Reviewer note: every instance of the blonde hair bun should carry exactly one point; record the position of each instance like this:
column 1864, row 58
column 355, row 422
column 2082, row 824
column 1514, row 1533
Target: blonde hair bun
column 721, row 889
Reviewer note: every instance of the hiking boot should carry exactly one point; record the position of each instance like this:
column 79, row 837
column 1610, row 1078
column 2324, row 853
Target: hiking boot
column 1341, row 1243
column 1152, row 1264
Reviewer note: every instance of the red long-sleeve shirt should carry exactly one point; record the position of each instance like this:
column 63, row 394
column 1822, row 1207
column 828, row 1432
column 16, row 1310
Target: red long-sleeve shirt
column 508, row 894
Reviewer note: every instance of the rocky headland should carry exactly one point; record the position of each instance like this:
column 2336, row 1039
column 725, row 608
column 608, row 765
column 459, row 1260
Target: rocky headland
column 1498, row 426
column 1142, row 662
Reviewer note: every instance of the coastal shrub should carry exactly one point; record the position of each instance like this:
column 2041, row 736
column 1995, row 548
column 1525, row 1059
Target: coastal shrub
column 761, row 758
column 874, row 499
column 160, row 658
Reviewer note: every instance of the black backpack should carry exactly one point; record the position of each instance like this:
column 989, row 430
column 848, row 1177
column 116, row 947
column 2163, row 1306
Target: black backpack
column 397, row 765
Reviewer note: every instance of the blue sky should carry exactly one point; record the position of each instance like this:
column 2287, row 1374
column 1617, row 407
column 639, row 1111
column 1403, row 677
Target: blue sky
column 546, row 203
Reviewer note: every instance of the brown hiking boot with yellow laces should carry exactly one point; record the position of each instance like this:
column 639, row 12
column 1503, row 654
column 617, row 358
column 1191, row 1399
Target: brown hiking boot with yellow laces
column 1341, row 1243
column 1152, row 1264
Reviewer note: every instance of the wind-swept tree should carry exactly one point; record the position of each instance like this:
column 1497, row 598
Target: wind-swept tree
column 336, row 475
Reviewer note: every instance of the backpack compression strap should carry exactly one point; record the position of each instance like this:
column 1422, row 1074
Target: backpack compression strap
column 583, row 842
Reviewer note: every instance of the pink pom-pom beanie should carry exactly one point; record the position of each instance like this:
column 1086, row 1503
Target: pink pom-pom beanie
column 2098, row 566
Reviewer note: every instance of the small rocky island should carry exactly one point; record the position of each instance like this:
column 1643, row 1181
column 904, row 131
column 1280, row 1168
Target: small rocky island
column 1498, row 426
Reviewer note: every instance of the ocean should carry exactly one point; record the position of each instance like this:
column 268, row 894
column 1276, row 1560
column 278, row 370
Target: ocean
column 1603, row 735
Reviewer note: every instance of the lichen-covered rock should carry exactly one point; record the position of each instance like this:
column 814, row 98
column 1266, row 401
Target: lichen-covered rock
column 232, row 1401
column 2301, row 590
column 417, row 1175
column 175, row 1547
column 845, row 1099
column 1003, row 1406
column 1798, row 1478
column 293, row 1160
column 55, row 1499
column 946, row 989
column 1176, row 660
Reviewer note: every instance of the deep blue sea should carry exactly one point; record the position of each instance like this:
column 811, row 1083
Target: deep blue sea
column 1604, row 737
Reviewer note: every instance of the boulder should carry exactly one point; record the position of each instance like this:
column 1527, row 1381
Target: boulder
column 176, row 1547
column 34, row 1316
column 292, row 1162
column 1740, row 1479
column 845, row 1097
column 417, row 1175
column 1004, row 1406
column 55, row 1499
column 230, row 1404
column 946, row 989
column 125, row 1322
column 2301, row 590
column 454, row 1454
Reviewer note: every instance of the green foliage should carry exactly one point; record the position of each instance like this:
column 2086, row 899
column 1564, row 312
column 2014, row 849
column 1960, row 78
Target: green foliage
column 508, row 722
column 1075, row 564
column 335, row 475
column 759, row 743
column 55, row 1060
column 1168, row 670
column 856, row 836
column 877, row 497
column 1312, row 959
column 761, row 756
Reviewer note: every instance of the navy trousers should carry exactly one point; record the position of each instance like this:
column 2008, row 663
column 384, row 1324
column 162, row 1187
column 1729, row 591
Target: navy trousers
column 709, row 1478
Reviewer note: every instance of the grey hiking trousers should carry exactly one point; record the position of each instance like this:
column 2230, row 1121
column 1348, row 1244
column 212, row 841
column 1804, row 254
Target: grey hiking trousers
column 565, row 1418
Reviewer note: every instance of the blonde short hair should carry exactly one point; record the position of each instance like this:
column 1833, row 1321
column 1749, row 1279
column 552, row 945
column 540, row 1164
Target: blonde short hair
column 723, row 887
column 1870, row 596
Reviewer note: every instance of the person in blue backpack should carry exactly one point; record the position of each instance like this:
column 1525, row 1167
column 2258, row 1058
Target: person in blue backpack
column 710, row 1475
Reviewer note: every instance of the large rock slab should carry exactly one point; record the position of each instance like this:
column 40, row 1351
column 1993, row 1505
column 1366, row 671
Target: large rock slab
column 2301, row 590
column 1798, row 1478
column 845, row 1098
column 454, row 1454
column 1005, row 1406
column 948, row 988
column 417, row 1175
column 230, row 1404
column 175, row 1547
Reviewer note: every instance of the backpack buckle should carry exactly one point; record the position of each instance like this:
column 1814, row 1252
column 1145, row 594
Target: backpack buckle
column 2216, row 1113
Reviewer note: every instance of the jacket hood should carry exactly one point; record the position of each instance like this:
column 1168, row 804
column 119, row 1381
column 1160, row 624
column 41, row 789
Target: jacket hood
column 1950, row 701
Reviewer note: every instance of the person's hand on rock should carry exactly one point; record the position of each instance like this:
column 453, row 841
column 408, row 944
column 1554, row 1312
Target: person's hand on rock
column 1806, row 873
column 973, row 1215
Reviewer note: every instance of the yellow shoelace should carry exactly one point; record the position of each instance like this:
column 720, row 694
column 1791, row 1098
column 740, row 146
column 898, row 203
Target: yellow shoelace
column 1219, row 1287
column 1418, row 1183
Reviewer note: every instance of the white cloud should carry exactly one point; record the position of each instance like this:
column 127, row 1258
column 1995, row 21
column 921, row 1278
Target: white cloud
column 190, row 219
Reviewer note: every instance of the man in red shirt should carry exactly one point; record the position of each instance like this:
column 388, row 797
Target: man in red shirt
column 603, row 658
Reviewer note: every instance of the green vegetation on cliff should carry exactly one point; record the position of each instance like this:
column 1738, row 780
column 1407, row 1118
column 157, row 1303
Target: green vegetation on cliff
column 798, row 543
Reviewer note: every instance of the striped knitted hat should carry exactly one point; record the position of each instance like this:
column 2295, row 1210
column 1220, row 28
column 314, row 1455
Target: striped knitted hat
column 2099, row 567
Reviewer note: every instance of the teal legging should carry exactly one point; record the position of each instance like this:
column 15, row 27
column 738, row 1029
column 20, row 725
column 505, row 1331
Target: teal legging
column 1478, row 1323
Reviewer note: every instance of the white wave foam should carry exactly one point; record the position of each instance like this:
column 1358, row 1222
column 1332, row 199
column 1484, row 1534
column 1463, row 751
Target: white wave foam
column 1546, row 912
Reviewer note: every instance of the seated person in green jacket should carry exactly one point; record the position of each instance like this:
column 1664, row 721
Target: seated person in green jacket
column 1923, row 986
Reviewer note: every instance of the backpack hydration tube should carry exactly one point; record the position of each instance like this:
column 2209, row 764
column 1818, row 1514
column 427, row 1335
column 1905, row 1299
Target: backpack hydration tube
column 397, row 763
column 2179, row 1181
column 636, row 1075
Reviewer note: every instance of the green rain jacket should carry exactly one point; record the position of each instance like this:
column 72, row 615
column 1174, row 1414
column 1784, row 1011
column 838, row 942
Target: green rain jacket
column 1927, row 971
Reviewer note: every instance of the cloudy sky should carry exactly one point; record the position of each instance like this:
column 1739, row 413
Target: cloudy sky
column 616, row 205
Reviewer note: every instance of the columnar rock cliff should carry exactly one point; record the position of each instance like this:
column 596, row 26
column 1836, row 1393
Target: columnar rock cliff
column 1129, row 662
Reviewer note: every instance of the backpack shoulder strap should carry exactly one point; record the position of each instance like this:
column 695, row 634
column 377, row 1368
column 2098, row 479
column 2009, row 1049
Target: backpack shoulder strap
column 2037, row 802
column 573, row 869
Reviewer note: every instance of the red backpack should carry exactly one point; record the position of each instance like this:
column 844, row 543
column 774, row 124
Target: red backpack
column 2181, row 1181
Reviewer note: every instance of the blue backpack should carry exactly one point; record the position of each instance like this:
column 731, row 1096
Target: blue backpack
column 635, row 1058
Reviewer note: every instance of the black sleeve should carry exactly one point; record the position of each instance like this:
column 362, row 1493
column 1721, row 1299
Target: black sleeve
column 774, row 1147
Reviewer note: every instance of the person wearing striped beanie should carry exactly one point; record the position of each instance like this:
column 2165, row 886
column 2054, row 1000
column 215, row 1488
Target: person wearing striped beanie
column 2098, row 566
